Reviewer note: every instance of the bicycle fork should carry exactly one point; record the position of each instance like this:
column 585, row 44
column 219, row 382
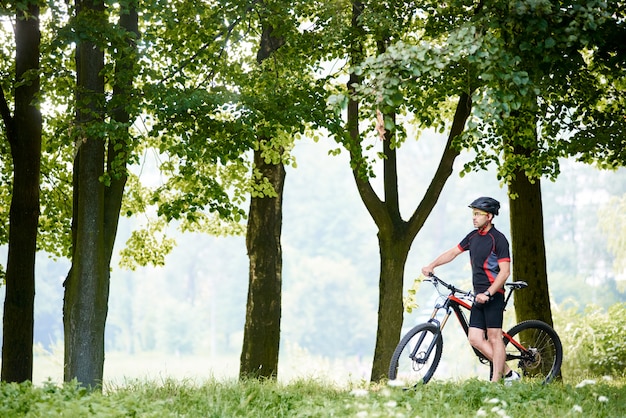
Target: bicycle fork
column 436, row 335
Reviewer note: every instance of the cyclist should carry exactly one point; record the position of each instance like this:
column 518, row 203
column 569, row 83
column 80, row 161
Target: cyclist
column 491, row 266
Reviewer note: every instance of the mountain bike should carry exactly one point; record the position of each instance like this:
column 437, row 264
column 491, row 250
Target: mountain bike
column 533, row 345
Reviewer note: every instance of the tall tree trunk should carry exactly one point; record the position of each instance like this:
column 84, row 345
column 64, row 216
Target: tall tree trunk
column 527, row 235
column 87, row 285
column 528, row 249
column 24, row 134
column 259, row 356
column 96, row 207
column 396, row 236
column 261, row 340
column 394, row 250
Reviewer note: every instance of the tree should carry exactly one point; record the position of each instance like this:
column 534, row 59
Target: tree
column 540, row 95
column 207, row 115
column 524, row 66
column 99, row 179
column 259, row 354
column 23, row 132
column 216, row 105
column 544, row 85
column 261, row 339
column 417, row 88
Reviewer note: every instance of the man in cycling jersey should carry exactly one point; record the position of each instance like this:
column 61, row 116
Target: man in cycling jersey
column 491, row 266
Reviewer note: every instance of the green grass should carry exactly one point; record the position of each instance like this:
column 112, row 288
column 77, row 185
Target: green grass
column 311, row 398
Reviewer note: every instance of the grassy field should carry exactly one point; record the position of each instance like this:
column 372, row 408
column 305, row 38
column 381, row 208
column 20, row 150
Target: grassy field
column 156, row 385
column 311, row 398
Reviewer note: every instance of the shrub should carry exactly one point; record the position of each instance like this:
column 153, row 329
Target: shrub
column 594, row 341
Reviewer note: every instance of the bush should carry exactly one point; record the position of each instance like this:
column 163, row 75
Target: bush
column 594, row 341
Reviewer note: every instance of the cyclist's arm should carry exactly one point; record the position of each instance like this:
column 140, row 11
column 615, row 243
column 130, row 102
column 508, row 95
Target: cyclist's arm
column 442, row 259
column 503, row 275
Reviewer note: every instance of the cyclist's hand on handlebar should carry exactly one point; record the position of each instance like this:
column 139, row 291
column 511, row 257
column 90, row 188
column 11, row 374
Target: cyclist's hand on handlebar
column 427, row 271
column 482, row 298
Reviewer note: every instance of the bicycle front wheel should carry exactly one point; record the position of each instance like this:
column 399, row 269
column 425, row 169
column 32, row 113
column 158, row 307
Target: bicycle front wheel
column 538, row 349
column 417, row 356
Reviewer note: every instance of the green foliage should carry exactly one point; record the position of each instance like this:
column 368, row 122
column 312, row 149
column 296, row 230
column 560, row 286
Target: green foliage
column 594, row 341
column 217, row 101
column 308, row 398
column 410, row 301
column 537, row 79
column 61, row 28
column 538, row 87
column 146, row 246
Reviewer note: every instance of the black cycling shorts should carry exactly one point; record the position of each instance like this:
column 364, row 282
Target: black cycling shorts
column 488, row 315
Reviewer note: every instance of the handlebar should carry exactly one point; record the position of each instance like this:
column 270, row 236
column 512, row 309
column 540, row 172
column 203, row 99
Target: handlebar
column 436, row 280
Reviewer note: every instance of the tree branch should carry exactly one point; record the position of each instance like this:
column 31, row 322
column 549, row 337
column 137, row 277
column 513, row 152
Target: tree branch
column 227, row 35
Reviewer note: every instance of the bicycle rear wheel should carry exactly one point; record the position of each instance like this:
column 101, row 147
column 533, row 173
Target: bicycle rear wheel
column 417, row 356
column 538, row 349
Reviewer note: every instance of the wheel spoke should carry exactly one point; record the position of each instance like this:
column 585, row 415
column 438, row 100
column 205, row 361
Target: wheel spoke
column 417, row 355
column 542, row 354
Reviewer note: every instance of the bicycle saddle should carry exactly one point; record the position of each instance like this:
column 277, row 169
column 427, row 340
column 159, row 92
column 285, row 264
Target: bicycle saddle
column 517, row 285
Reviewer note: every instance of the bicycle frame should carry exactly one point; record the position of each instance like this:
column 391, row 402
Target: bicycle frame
column 455, row 304
column 532, row 343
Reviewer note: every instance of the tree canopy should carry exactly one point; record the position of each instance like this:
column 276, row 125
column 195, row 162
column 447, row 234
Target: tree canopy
column 552, row 62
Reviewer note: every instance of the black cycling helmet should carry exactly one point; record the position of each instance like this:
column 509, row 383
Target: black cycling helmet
column 487, row 204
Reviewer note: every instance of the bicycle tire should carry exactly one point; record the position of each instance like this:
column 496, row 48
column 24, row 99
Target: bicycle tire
column 543, row 352
column 411, row 372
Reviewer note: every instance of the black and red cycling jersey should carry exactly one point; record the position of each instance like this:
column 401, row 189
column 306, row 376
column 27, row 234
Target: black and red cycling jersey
column 487, row 250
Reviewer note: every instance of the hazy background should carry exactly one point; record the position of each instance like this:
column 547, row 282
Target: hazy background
column 186, row 320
